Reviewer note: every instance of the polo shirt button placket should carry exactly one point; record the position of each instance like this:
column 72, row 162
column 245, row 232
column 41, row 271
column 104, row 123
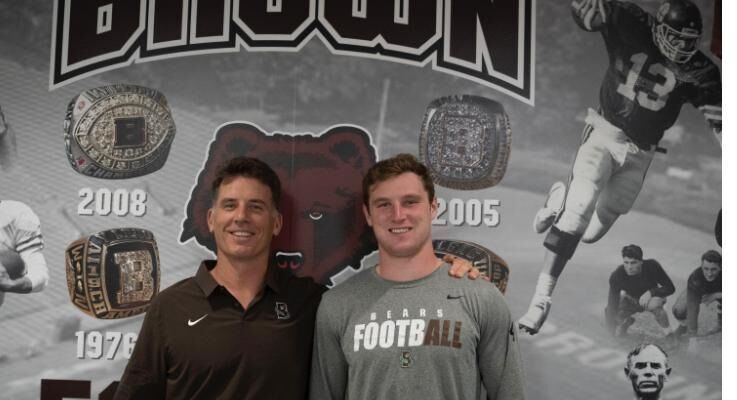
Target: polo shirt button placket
column 240, row 309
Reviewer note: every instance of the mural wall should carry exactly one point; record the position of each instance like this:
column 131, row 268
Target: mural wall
column 115, row 114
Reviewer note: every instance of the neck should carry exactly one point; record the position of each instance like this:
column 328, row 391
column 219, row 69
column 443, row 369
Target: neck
column 241, row 278
column 648, row 397
column 408, row 268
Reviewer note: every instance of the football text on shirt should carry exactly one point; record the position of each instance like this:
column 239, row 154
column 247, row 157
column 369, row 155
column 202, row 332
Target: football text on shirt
column 407, row 332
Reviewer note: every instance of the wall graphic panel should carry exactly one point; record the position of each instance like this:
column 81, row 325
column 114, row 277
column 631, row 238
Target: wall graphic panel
column 115, row 113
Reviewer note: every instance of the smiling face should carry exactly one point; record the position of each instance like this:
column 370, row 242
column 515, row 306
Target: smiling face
column 648, row 371
column 243, row 219
column 401, row 213
column 710, row 269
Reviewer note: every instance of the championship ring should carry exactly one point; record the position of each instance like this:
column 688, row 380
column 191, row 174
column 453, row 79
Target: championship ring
column 485, row 260
column 118, row 131
column 465, row 142
column 113, row 274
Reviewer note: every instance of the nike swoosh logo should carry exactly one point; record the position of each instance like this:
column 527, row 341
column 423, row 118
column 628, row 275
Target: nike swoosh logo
column 454, row 297
column 193, row 323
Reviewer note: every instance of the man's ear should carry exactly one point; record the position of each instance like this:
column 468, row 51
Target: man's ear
column 277, row 223
column 367, row 215
column 434, row 207
column 626, row 372
column 209, row 219
column 667, row 371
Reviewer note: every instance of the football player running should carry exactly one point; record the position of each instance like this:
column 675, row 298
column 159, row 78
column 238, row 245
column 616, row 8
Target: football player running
column 654, row 68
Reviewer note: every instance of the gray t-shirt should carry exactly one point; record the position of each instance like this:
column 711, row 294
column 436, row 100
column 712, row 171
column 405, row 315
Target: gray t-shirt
column 434, row 338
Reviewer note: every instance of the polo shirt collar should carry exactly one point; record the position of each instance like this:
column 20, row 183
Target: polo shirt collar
column 275, row 277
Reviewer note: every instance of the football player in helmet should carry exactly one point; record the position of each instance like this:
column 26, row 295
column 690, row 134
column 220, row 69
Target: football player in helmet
column 22, row 264
column 654, row 69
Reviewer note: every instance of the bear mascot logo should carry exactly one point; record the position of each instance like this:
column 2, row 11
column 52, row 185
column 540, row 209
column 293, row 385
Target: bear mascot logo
column 325, row 230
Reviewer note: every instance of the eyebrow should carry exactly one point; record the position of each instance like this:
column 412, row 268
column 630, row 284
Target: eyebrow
column 411, row 196
column 250, row 201
column 379, row 200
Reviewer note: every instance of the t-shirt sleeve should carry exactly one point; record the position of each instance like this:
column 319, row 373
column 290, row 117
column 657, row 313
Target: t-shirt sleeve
column 329, row 373
column 500, row 363
column 145, row 375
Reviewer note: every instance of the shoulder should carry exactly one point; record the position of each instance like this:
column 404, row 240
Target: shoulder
column 342, row 301
column 176, row 292
column 479, row 291
column 617, row 273
column 652, row 264
column 702, row 75
column 303, row 287
column 700, row 61
column 629, row 8
column 701, row 71
column 347, row 289
column 14, row 207
column 624, row 12
column 696, row 279
column 17, row 212
column 483, row 302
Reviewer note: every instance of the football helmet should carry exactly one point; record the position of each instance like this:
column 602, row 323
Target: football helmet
column 677, row 29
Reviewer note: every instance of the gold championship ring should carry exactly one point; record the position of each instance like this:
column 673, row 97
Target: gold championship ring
column 118, row 131
column 465, row 142
column 113, row 274
column 485, row 260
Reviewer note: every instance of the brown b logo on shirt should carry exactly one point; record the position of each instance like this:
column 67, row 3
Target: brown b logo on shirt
column 405, row 359
column 282, row 312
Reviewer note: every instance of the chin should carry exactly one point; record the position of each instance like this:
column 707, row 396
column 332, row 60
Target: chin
column 401, row 252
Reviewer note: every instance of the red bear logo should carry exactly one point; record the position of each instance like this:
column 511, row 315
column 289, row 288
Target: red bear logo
column 324, row 227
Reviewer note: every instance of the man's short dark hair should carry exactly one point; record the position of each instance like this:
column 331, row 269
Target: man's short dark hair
column 712, row 256
column 394, row 166
column 248, row 167
column 632, row 251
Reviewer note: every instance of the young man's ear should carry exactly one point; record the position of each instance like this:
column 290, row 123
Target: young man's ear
column 367, row 215
column 434, row 207
column 627, row 372
column 667, row 371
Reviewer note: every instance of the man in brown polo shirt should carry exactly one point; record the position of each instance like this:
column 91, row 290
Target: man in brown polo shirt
column 241, row 327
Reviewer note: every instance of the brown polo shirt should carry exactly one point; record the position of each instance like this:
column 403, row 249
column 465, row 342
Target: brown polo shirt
column 197, row 342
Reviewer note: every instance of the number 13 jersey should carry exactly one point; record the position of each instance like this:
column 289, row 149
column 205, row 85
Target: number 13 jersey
column 643, row 91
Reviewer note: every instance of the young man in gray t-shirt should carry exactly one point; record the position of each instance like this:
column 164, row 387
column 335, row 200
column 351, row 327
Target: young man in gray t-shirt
column 405, row 329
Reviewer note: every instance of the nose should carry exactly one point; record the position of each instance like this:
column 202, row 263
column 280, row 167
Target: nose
column 397, row 212
column 241, row 213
